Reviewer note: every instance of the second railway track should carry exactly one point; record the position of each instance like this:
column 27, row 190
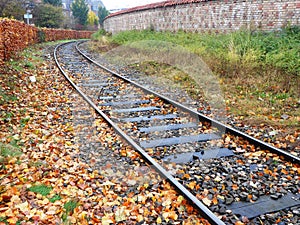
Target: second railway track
column 228, row 176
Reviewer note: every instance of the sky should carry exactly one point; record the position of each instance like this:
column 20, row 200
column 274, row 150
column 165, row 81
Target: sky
column 119, row 4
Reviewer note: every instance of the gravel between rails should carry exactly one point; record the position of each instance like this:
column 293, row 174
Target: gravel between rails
column 131, row 192
column 247, row 176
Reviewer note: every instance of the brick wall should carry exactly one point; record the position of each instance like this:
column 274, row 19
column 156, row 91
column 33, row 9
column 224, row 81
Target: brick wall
column 203, row 15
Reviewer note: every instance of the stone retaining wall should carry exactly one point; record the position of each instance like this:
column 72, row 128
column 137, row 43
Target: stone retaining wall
column 203, row 15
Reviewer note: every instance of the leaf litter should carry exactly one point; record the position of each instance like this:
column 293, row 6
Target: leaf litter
column 58, row 179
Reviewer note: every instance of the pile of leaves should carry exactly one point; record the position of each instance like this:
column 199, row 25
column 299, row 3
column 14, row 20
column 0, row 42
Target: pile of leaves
column 42, row 179
column 12, row 36
column 60, row 34
column 16, row 36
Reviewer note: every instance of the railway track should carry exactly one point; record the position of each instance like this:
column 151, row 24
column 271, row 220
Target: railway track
column 227, row 175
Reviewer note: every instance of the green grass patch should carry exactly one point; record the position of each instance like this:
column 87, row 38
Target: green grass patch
column 24, row 121
column 5, row 97
column 99, row 34
column 55, row 198
column 3, row 220
column 41, row 189
column 29, row 58
column 232, row 51
column 9, row 151
column 259, row 72
column 69, row 208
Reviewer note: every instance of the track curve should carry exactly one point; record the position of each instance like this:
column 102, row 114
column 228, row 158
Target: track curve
column 147, row 104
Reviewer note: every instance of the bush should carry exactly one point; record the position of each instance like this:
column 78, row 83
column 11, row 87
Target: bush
column 228, row 53
column 16, row 36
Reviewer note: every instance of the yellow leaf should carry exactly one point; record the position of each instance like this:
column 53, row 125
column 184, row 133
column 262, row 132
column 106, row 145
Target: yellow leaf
column 192, row 185
column 120, row 214
column 51, row 210
column 173, row 215
column 68, row 143
column 180, row 198
column 106, row 220
column 215, row 201
column 167, row 202
column 166, row 216
column 140, row 218
column 12, row 220
column 158, row 220
column 45, row 201
column 24, row 207
column 206, row 201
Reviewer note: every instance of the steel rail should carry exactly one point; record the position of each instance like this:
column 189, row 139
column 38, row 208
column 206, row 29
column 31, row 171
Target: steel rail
column 220, row 126
column 204, row 211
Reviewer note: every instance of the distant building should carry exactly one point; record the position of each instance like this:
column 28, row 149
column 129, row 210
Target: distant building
column 69, row 20
column 116, row 10
column 93, row 4
column 67, row 4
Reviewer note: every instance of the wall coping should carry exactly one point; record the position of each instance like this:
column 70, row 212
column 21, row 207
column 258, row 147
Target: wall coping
column 163, row 4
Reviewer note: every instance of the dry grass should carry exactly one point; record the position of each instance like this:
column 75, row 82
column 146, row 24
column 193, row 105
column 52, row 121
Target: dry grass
column 253, row 99
column 259, row 84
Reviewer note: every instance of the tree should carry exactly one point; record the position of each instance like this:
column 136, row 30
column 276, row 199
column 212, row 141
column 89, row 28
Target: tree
column 47, row 15
column 12, row 9
column 53, row 2
column 102, row 13
column 80, row 12
column 92, row 20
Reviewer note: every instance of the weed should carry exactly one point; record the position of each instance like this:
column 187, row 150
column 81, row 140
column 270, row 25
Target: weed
column 282, row 96
column 14, row 141
column 69, row 207
column 232, row 51
column 99, row 34
column 260, row 71
column 41, row 189
column 55, row 198
column 6, row 98
column 3, row 220
column 6, row 152
column 7, row 116
column 16, row 65
column 24, row 121
column 29, row 65
column 9, row 151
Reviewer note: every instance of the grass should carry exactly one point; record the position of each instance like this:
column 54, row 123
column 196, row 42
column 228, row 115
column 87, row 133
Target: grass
column 55, row 198
column 69, row 208
column 3, row 220
column 259, row 72
column 28, row 58
column 24, row 121
column 4, row 97
column 243, row 48
column 9, row 151
column 41, row 189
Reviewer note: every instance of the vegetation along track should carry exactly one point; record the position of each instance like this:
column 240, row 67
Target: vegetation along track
column 230, row 177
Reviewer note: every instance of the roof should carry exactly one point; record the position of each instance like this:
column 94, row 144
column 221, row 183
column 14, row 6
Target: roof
column 156, row 5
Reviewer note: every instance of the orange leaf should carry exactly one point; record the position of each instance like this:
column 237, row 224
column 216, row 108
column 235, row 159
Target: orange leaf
column 239, row 223
column 192, row 185
column 215, row 201
column 186, row 176
column 235, row 187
